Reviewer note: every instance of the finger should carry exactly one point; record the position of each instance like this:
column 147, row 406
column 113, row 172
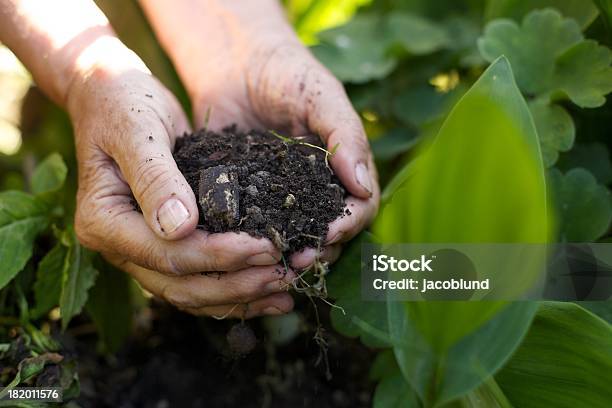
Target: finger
column 362, row 212
column 202, row 290
column 331, row 115
column 307, row 257
column 199, row 252
column 144, row 155
column 271, row 305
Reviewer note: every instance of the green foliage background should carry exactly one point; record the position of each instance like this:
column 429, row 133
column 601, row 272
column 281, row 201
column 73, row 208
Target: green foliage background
column 433, row 81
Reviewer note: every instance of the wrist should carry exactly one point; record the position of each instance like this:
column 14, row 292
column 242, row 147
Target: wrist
column 104, row 59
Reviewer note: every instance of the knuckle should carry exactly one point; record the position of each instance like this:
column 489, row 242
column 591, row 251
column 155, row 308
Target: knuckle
column 150, row 175
column 179, row 297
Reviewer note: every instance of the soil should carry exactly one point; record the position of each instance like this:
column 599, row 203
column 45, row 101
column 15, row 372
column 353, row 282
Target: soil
column 184, row 361
column 262, row 184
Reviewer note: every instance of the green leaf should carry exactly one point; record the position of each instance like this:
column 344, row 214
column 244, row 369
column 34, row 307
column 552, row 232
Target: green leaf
column 48, row 286
column 532, row 59
column 356, row 52
column 469, row 186
column 602, row 308
column 394, row 143
column 78, row 277
column 564, row 362
column 29, row 367
column 583, row 11
column 49, row 175
column 555, row 128
column 594, row 157
column 22, row 218
column 361, row 50
column 110, row 306
column 605, row 8
column 584, row 74
column 343, row 286
column 441, row 377
column 583, row 206
column 393, row 392
column 417, row 35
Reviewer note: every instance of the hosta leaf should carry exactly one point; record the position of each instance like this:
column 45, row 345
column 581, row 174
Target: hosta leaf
column 49, row 175
column 594, row 157
column 583, row 206
column 112, row 318
column 48, row 286
column 583, row 11
column 469, row 186
column 532, row 59
column 438, row 378
column 564, row 362
column 584, row 74
column 22, row 218
column 555, row 128
column 78, row 277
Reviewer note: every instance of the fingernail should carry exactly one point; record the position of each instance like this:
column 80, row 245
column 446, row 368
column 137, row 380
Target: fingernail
column 272, row 311
column 261, row 259
column 363, row 176
column 171, row 215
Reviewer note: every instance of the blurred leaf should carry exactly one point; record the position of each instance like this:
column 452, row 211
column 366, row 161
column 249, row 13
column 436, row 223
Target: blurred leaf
column 357, row 51
column 344, row 286
column 394, row 392
column 441, row 377
column 594, row 157
column 360, row 51
column 417, row 35
column 583, row 11
column 110, row 305
column 383, row 364
column 310, row 17
column 583, row 206
column 49, row 175
column 555, row 128
column 605, row 8
column 393, row 143
column 22, row 218
column 78, row 277
column 603, row 309
column 567, row 359
column 48, row 286
column 532, row 59
column 584, row 74
column 421, row 104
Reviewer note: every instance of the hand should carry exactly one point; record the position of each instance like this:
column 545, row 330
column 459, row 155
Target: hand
column 265, row 78
column 125, row 124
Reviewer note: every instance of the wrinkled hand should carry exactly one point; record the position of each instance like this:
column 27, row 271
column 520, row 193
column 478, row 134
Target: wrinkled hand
column 125, row 124
column 282, row 86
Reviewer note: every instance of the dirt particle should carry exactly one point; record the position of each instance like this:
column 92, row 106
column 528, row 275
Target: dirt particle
column 149, row 95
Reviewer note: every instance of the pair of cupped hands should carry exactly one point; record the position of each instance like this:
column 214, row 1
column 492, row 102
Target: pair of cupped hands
column 126, row 123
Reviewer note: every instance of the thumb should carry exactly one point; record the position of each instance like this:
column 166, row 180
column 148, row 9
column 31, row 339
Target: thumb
column 331, row 115
column 167, row 202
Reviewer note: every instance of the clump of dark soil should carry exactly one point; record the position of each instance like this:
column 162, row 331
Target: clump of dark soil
column 260, row 183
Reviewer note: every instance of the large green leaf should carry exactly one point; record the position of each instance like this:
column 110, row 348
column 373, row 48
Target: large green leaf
column 583, row 206
column 78, row 277
column 441, row 377
column 583, row 11
column 393, row 392
column 110, row 305
column 22, row 218
column 470, row 186
column 564, row 362
column 49, row 175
